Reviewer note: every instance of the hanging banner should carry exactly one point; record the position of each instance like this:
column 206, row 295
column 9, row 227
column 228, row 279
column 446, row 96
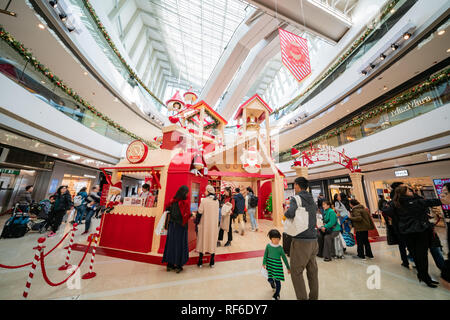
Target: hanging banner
column 295, row 54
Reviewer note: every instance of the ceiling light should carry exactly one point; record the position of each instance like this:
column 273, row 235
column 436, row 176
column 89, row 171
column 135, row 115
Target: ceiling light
column 54, row 4
column 407, row 35
column 85, row 73
column 448, row 50
column 364, row 72
column 41, row 26
column 394, row 46
column 384, row 88
column 63, row 17
column 382, row 57
column 392, row 10
column 372, row 66
column 441, row 32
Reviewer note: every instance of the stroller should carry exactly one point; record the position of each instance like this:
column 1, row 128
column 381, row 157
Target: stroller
column 41, row 211
column 17, row 225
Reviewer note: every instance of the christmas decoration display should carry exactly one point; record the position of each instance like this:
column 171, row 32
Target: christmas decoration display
column 28, row 56
column 294, row 54
column 324, row 153
column 409, row 95
column 251, row 160
column 269, row 207
column 342, row 58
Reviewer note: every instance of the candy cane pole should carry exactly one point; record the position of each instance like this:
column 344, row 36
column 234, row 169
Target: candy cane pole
column 66, row 264
column 92, row 274
column 37, row 253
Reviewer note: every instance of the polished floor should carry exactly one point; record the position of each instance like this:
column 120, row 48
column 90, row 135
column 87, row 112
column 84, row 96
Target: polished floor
column 345, row 279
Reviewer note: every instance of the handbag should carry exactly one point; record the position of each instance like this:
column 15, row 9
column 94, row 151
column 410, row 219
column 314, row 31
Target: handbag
column 287, row 239
column 161, row 228
column 300, row 222
column 391, row 235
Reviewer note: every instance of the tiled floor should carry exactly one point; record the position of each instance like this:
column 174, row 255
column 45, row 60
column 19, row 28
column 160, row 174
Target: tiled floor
column 238, row 279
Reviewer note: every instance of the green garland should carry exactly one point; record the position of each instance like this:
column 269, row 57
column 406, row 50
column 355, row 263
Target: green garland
column 28, row 56
column 116, row 51
column 407, row 96
column 213, row 125
column 354, row 46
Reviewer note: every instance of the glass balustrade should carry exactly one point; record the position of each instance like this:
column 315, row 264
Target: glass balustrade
column 18, row 70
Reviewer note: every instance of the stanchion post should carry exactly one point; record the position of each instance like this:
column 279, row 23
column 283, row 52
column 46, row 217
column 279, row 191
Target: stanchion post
column 37, row 254
column 66, row 264
column 92, row 274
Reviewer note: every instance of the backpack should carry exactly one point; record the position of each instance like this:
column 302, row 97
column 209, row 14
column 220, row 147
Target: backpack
column 77, row 201
column 15, row 227
column 300, row 222
column 253, row 201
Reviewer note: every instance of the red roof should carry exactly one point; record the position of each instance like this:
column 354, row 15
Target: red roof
column 256, row 96
column 214, row 113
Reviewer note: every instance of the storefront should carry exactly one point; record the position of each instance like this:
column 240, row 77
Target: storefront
column 18, row 169
column 424, row 179
column 73, row 176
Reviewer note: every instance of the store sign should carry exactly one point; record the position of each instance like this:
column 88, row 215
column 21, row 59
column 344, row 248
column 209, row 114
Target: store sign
column 89, row 176
column 10, row 171
column 401, row 173
column 137, row 151
column 341, row 180
column 410, row 105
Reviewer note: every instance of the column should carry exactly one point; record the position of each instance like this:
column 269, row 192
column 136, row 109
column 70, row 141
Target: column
column 277, row 200
column 358, row 190
column 301, row 172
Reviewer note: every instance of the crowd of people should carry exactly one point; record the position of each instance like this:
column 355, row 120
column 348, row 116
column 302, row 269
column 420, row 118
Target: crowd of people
column 86, row 207
column 406, row 214
column 214, row 217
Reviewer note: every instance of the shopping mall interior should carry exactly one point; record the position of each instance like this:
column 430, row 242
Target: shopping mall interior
column 109, row 107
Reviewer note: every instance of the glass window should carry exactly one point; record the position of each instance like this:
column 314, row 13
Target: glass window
column 333, row 141
column 351, row 134
column 375, row 124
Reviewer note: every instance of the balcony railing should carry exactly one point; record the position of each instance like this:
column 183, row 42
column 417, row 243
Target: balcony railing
column 20, row 71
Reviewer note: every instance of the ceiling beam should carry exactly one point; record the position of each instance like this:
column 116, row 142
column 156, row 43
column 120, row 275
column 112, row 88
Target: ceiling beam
column 116, row 10
column 136, row 41
column 292, row 22
column 129, row 25
column 142, row 56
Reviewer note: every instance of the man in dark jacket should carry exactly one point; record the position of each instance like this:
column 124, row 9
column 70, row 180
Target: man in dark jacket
column 304, row 246
column 390, row 215
column 239, row 209
column 320, row 201
column 24, row 199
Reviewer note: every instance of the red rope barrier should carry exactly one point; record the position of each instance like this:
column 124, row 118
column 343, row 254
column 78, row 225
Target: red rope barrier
column 29, row 263
column 44, row 272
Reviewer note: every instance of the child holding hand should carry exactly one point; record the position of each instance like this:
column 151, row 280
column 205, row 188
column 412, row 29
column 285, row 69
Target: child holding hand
column 272, row 262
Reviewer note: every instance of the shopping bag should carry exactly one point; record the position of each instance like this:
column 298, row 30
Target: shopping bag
column 160, row 228
column 264, row 272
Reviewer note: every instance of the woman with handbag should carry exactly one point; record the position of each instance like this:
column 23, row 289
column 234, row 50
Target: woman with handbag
column 362, row 222
column 415, row 226
column 176, row 251
column 328, row 232
column 208, row 220
column 227, row 222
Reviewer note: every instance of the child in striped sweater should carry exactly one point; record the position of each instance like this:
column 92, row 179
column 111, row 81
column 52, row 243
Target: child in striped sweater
column 272, row 262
